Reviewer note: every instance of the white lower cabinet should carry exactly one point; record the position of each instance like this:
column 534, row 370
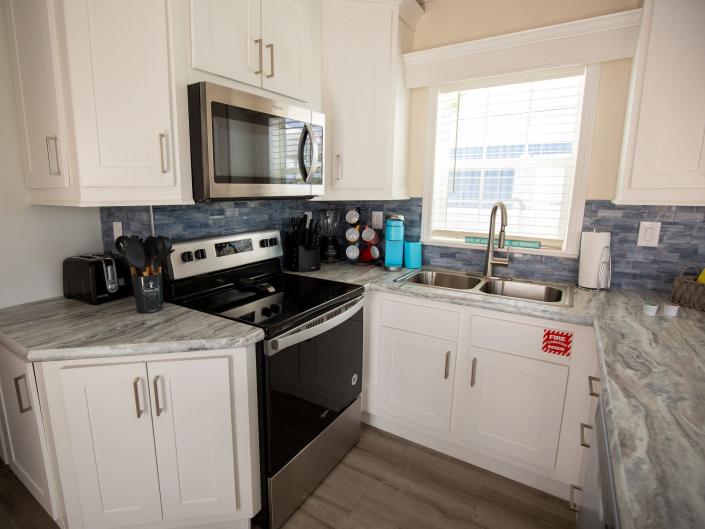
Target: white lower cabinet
column 417, row 374
column 481, row 386
column 110, row 423
column 193, row 435
column 26, row 448
column 512, row 405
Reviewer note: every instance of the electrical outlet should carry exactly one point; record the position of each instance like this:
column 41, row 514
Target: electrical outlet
column 117, row 230
column 649, row 233
column 309, row 216
column 378, row 220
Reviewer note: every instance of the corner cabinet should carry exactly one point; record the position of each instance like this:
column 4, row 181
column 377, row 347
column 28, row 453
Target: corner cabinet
column 364, row 98
column 155, row 441
column 663, row 154
column 95, row 96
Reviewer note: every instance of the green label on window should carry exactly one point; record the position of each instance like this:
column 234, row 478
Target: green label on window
column 535, row 245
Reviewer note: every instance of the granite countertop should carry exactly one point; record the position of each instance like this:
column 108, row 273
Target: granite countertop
column 63, row 329
column 653, row 378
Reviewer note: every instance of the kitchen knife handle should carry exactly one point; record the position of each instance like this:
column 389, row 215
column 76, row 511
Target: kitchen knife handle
column 157, row 404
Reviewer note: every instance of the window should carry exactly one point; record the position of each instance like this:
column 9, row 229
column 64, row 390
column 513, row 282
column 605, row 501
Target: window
column 515, row 140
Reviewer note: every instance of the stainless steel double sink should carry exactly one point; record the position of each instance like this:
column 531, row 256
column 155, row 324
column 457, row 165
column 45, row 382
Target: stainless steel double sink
column 556, row 294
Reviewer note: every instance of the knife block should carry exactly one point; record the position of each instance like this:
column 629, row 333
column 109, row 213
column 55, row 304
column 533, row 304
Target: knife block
column 298, row 259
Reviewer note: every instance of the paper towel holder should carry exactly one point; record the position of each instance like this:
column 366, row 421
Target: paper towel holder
column 604, row 271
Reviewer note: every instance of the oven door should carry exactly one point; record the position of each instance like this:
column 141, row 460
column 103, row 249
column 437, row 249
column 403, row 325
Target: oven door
column 311, row 375
column 251, row 146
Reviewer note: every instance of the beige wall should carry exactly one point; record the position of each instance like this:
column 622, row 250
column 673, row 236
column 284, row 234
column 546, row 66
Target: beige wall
column 452, row 21
column 34, row 239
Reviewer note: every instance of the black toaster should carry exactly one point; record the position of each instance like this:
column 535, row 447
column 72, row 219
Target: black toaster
column 96, row 278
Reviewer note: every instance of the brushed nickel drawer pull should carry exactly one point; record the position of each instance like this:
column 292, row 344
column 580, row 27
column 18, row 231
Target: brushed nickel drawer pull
column 157, row 405
column 22, row 407
column 162, row 153
column 259, row 43
column 54, row 141
column 446, row 371
column 573, row 506
column 271, row 60
column 473, row 372
column 136, row 390
column 583, row 427
column 592, row 379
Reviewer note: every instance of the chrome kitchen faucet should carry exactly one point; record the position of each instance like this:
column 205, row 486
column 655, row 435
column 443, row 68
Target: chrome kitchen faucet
column 490, row 259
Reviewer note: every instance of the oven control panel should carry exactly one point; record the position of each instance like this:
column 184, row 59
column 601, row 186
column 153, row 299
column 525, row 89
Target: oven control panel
column 201, row 256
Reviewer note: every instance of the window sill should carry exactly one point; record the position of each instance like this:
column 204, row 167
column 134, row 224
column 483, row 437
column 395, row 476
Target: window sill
column 452, row 243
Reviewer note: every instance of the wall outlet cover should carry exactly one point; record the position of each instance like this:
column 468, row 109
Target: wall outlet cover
column 649, row 233
column 117, row 230
column 378, row 220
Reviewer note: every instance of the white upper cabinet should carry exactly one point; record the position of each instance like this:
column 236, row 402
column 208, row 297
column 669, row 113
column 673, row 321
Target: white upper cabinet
column 663, row 156
column 95, row 93
column 263, row 43
column 226, row 38
column 364, row 97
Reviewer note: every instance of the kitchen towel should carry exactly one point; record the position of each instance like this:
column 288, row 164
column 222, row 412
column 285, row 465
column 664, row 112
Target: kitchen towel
column 595, row 260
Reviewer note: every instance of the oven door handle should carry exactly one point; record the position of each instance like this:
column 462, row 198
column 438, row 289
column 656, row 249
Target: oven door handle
column 303, row 332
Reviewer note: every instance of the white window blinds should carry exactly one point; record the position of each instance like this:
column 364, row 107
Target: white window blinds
column 513, row 142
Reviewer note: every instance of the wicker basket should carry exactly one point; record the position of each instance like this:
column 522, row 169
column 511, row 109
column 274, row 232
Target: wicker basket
column 687, row 291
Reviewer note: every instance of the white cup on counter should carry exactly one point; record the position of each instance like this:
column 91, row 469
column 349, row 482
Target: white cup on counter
column 650, row 309
column 670, row 310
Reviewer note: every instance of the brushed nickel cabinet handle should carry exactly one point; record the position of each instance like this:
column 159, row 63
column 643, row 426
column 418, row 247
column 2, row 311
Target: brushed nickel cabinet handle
column 271, row 60
column 572, row 504
column 473, row 371
column 259, row 43
column 592, row 379
column 157, row 405
column 446, row 371
column 53, row 140
column 583, row 427
column 339, row 158
column 135, row 388
column 22, row 407
column 162, row 153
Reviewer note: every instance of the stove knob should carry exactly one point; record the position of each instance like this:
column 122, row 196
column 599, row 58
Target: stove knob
column 266, row 312
column 263, row 243
column 273, row 241
column 187, row 257
column 200, row 254
column 276, row 309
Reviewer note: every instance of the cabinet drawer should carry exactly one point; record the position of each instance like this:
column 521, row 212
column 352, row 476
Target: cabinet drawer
column 420, row 319
column 516, row 337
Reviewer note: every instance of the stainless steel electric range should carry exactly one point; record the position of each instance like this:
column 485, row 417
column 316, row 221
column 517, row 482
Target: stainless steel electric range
column 309, row 366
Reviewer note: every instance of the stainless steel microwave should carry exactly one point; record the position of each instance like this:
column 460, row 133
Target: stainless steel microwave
column 247, row 146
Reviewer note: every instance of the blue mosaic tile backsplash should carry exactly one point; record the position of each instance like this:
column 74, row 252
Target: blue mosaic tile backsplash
column 682, row 235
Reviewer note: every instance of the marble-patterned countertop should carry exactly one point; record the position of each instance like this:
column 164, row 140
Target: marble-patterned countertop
column 63, row 329
column 653, row 380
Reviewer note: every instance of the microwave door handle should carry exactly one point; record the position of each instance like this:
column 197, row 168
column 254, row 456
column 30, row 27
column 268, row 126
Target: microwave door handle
column 314, row 150
column 302, row 147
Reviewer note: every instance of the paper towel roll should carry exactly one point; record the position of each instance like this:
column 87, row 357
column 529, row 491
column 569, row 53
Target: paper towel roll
column 595, row 260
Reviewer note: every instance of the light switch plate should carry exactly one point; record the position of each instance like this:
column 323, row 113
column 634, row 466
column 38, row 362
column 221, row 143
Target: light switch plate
column 378, row 220
column 117, row 230
column 649, row 233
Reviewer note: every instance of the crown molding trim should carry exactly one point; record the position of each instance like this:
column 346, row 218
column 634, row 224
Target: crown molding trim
column 586, row 41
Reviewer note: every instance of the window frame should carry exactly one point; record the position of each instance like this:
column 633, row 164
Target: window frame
column 571, row 244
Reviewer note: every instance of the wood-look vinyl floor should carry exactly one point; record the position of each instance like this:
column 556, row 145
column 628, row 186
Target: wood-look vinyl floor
column 383, row 483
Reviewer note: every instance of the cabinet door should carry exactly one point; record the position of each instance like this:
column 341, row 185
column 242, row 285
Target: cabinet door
column 193, row 432
column 285, row 32
column 224, row 39
column 112, row 444
column 358, row 55
column 33, row 35
column 119, row 63
column 416, row 377
column 27, row 450
column 667, row 125
column 512, row 405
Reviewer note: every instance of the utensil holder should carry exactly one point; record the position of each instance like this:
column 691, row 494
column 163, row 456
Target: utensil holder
column 300, row 259
column 149, row 295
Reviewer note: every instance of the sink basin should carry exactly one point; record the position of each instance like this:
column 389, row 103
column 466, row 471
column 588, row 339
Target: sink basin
column 550, row 293
column 452, row 280
column 524, row 290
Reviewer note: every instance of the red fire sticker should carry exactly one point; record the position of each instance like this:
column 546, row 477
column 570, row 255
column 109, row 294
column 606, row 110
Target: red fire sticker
column 557, row 342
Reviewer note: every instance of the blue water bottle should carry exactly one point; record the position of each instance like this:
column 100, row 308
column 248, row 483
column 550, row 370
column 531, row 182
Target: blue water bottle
column 394, row 242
